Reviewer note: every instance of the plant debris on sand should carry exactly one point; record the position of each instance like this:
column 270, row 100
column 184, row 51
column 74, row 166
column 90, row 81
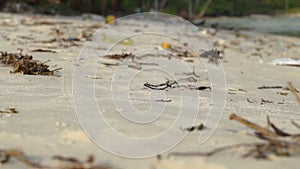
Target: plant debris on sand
column 25, row 64
column 66, row 162
column 277, row 142
column 9, row 111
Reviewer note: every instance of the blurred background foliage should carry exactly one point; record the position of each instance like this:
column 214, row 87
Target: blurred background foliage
column 185, row 8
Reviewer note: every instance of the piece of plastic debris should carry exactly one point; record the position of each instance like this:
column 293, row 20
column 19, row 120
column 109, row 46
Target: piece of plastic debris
column 165, row 45
column 286, row 62
column 127, row 41
column 110, row 19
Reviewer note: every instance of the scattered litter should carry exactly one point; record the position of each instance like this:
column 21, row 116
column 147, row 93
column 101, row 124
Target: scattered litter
column 286, row 62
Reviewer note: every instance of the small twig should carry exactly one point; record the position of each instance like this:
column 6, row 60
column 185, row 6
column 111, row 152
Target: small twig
column 250, row 100
column 270, row 87
column 162, row 86
column 190, row 129
column 278, row 131
column 294, row 91
column 254, row 126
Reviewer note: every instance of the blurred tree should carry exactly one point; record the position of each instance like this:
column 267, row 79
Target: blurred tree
column 186, row 8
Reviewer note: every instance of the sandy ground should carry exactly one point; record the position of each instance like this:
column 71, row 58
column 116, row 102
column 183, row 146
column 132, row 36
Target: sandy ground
column 47, row 123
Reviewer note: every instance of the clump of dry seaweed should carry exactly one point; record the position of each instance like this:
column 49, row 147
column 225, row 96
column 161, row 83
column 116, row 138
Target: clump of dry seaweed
column 25, row 64
column 66, row 162
column 276, row 142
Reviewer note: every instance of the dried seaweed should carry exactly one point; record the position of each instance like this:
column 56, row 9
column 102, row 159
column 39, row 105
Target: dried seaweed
column 25, row 64
column 276, row 142
column 162, row 86
column 66, row 162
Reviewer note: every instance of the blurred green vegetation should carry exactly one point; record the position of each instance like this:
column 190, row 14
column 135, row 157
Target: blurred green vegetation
column 178, row 7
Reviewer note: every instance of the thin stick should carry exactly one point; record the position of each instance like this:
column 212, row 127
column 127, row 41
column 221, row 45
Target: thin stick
column 256, row 127
column 294, row 91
